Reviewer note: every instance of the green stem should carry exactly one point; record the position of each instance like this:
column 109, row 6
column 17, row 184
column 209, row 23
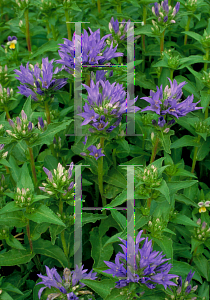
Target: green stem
column 27, row 31
column 100, row 175
column 193, row 255
column 68, row 25
column 99, row 6
column 7, row 113
column 171, row 74
column 47, row 112
column 149, row 202
column 187, row 29
column 195, row 155
column 119, row 10
column 207, row 58
column 29, row 236
column 48, row 28
column 162, row 46
column 53, row 32
column 32, row 165
column 87, row 79
column 154, row 150
column 143, row 37
column 114, row 157
column 65, row 249
column 96, row 200
column 119, row 60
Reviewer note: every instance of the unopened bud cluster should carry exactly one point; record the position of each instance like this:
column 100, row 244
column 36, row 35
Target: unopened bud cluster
column 203, row 232
column 202, row 127
column 57, row 144
column 3, row 185
column 156, row 227
column 191, row 5
column 59, row 183
column 2, row 153
column 23, row 198
column 47, row 6
column 4, row 232
column 118, row 31
column 164, row 14
column 23, row 129
column 205, row 40
column 22, row 3
column 68, row 220
column 3, row 74
column 171, row 170
column 149, row 177
column 206, row 79
column 5, row 95
column 173, row 60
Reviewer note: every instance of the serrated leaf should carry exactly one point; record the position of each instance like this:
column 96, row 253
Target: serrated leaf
column 102, row 288
column 46, row 248
column 163, row 189
column 119, row 218
column 14, row 243
column 184, row 220
column 44, row 214
column 15, row 257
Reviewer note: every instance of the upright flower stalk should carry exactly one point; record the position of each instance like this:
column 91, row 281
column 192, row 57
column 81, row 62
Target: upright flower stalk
column 187, row 29
column 65, row 249
column 47, row 112
column 195, row 155
column 154, row 150
column 143, row 37
column 27, row 30
column 100, row 175
column 99, row 6
column 32, row 165
column 68, row 25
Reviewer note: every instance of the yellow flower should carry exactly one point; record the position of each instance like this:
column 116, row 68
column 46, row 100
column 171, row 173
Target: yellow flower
column 202, row 209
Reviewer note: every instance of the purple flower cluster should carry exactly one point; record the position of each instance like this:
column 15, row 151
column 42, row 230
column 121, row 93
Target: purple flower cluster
column 35, row 85
column 93, row 50
column 148, row 269
column 66, row 284
column 185, row 291
column 118, row 29
column 109, row 104
column 163, row 11
column 168, row 102
column 94, row 151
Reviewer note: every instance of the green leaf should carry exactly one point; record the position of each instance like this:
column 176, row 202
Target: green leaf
column 195, row 243
column 25, row 179
column 99, row 252
column 119, row 218
column 91, row 218
column 115, row 295
column 47, row 136
column 9, row 207
column 166, row 141
column 182, row 172
column 194, row 35
column 163, row 188
column 115, row 178
column 184, row 220
column 27, row 108
column 14, row 243
column 183, row 268
column 44, row 214
column 175, row 186
column 202, row 265
column 102, row 288
column 50, row 46
column 15, row 218
column 15, row 171
column 39, row 197
column 37, row 229
column 120, row 199
column 190, row 60
column 203, row 150
column 185, row 141
column 10, row 288
column 166, row 245
column 184, row 199
column 15, row 257
column 46, row 248
column 54, row 231
column 5, row 163
column 50, row 162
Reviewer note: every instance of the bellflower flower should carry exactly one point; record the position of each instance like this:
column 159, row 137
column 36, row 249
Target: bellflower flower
column 168, row 102
column 103, row 107
column 165, row 13
column 185, row 290
column 149, row 267
column 38, row 82
column 59, row 180
column 93, row 50
column 69, row 284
